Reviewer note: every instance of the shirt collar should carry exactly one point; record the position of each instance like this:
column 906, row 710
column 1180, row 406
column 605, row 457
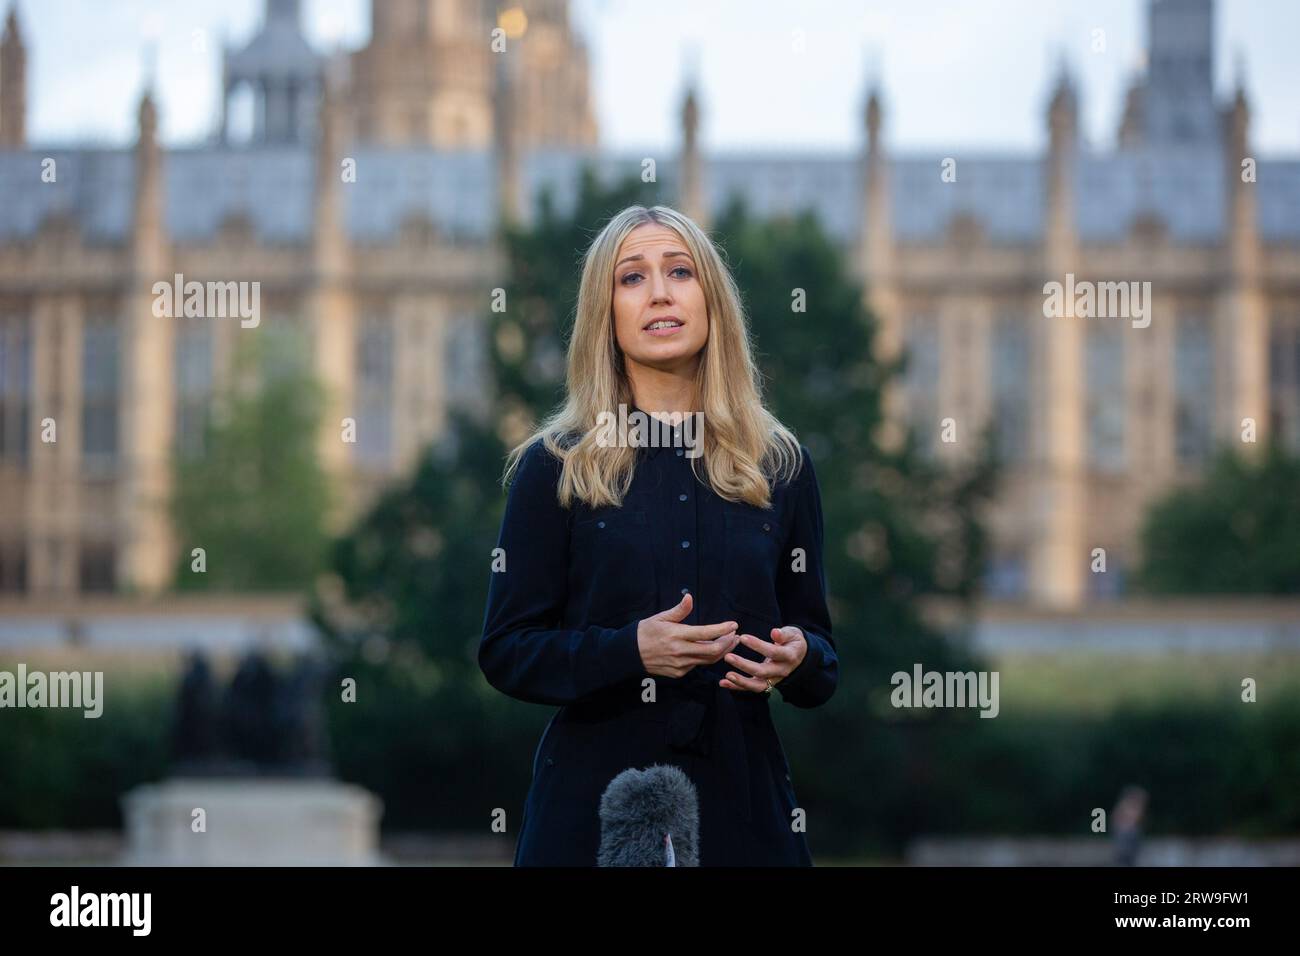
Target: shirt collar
column 667, row 443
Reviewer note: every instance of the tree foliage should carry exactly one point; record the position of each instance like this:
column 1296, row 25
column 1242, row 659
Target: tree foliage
column 256, row 499
column 1235, row 531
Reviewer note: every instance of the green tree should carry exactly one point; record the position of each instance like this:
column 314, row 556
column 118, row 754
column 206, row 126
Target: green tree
column 256, row 499
column 1236, row 531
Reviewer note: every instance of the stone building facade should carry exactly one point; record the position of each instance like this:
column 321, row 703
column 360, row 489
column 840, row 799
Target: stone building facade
column 383, row 281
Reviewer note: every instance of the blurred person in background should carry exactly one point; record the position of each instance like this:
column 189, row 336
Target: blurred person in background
column 1128, row 814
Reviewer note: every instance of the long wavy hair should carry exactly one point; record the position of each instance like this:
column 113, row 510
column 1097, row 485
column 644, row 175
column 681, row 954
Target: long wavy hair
column 745, row 447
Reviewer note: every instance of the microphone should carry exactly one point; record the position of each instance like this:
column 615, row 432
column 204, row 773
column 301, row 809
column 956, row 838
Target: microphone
column 650, row 817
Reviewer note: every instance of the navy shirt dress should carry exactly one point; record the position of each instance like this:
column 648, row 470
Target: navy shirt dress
column 561, row 629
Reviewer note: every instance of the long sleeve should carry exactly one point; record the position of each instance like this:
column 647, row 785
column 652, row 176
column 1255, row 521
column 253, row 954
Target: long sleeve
column 802, row 596
column 523, row 652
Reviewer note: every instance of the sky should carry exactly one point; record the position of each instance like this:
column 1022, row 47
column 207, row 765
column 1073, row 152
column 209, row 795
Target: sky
column 954, row 73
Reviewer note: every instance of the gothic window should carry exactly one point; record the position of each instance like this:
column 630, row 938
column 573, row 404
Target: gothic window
column 1193, row 387
column 95, row 567
column 1107, row 403
column 100, row 370
column 15, row 388
column 922, row 380
column 193, row 385
column 374, row 384
column 13, row 566
column 1284, row 380
column 1108, row 584
column 285, row 346
column 1010, row 386
column 465, row 362
column 241, row 113
column 1007, row 576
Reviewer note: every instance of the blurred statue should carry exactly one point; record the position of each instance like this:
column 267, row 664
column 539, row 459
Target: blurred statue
column 247, row 715
column 195, row 741
column 266, row 724
column 299, row 721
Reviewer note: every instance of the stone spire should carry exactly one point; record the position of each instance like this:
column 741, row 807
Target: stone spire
column 1241, row 221
column 1242, row 309
column 329, row 252
column 690, row 197
column 875, row 258
column 1132, row 125
column 1062, row 152
column 505, row 121
column 148, row 234
column 146, row 556
column 13, row 84
column 877, row 214
column 330, row 308
column 1058, row 562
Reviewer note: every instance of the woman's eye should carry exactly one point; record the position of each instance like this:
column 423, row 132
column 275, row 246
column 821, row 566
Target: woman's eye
column 631, row 278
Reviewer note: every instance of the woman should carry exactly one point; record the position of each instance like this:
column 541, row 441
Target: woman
column 658, row 593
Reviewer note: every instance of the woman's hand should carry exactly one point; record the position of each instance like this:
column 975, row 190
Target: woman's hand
column 671, row 649
column 781, row 659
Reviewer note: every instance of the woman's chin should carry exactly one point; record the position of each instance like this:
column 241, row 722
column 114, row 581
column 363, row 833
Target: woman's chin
column 666, row 354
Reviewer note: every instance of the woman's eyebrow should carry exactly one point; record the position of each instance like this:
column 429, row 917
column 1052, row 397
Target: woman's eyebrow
column 638, row 257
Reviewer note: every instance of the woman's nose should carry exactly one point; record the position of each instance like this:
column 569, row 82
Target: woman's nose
column 659, row 290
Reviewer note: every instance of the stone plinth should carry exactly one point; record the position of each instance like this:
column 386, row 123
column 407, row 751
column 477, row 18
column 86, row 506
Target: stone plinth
column 251, row 822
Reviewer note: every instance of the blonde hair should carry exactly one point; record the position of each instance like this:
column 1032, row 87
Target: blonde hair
column 744, row 445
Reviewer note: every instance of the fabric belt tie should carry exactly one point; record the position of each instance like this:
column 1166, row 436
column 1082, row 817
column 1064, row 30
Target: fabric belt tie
column 705, row 719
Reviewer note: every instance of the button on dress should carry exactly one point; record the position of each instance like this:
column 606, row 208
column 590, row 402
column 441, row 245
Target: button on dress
column 560, row 629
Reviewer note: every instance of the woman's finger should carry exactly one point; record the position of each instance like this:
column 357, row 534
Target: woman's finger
column 777, row 652
column 703, row 632
column 710, row 650
column 759, row 669
column 736, row 681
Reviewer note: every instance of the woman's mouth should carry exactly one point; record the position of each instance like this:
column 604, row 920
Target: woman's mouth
column 661, row 327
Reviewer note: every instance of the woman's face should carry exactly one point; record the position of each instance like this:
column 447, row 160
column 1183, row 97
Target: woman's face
column 656, row 280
